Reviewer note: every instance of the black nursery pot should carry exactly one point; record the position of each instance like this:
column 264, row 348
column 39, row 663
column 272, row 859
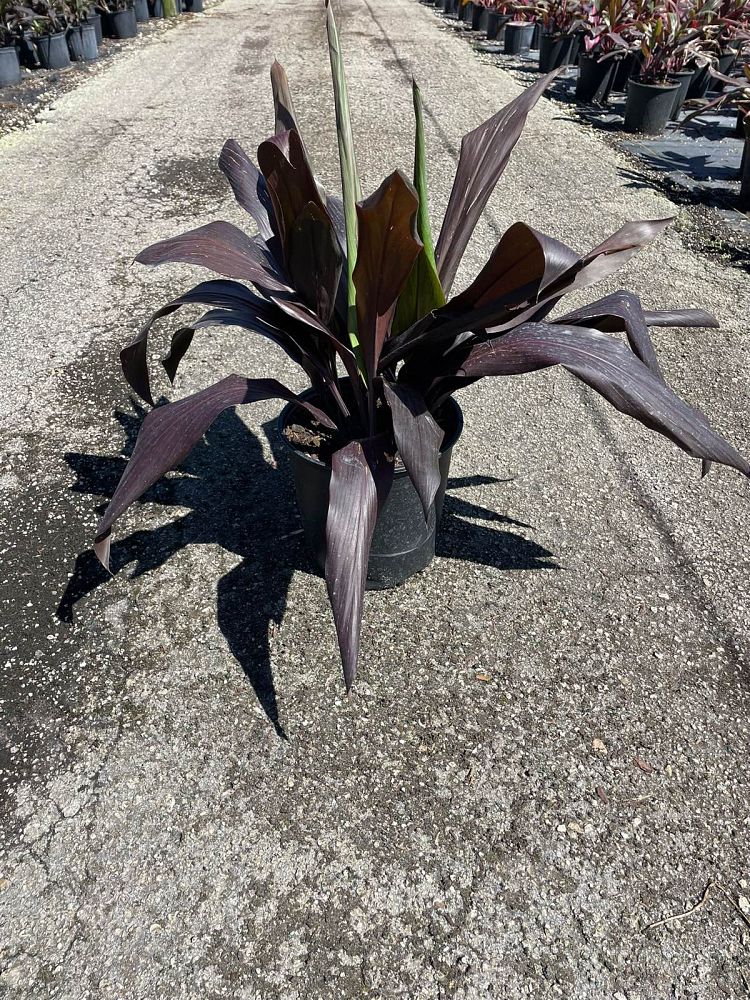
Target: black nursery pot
column 53, row 50
column 141, row 11
column 194, row 6
column 627, row 67
column 496, row 24
column 555, row 51
column 727, row 59
column 403, row 543
column 744, row 202
column 10, row 67
column 477, row 16
column 682, row 79
column 95, row 20
column 517, row 37
column 698, row 86
column 75, row 43
column 536, row 37
column 595, row 79
column 156, row 8
column 120, row 24
column 648, row 106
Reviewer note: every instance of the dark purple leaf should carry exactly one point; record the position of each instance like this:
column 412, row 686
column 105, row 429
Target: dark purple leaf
column 220, row 247
column 388, row 245
column 256, row 313
column 249, row 187
column 290, row 181
column 610, row 367
column 418, row 439
column 286, row 119
column 617, row 313
column 170, row 432
column 525, row 262
column 680, row 317
column 360, row 480
column 314, row 260
column 484, row 155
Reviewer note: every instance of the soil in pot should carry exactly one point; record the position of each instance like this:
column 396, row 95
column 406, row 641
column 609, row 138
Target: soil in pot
column 682, row 79
column 10, row 67
column 555, row 51
column 141, row 11
column 403, row 542
column 53, row 50
column 648, row 106
column 517, row 37
column 120, row 23
column 595, row 79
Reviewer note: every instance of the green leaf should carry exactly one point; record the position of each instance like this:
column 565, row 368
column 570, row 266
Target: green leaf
column 423, row 291
column 350, row 187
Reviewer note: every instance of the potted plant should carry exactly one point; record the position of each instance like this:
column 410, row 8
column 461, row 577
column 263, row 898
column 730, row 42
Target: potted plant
column 352, row 290
column 118, row 18
column 10, row 66
column 735, row 94
column 520, row 29
column 49, row 34
column 560, row 21
column 608, row 44
column 497, row 17
column 720, row 25
column 81, row 32
column 651, row 96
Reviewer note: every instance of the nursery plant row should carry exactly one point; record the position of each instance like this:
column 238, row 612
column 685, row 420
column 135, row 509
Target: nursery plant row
column 666, row 57
column 50, row 34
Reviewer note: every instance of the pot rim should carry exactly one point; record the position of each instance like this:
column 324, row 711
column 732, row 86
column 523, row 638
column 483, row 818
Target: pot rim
column 283, row 419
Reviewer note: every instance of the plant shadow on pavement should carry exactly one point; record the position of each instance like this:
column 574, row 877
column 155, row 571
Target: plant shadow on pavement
column 244, row 502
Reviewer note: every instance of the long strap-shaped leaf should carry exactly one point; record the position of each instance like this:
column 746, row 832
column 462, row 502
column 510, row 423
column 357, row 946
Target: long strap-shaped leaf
column 170, row 432
column 223, row 248
column 612, row 369
column 249, row 187
column 284, row 114
column 484, row 156
column 418, row 439
column 256, row 313
column 423, row 291
column 387, row 251
column 350, row 187
column 361, row 476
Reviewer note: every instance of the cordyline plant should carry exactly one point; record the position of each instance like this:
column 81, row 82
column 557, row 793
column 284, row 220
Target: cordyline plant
column 355, row 286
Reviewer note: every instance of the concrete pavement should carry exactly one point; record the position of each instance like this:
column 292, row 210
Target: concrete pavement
column 547, row 747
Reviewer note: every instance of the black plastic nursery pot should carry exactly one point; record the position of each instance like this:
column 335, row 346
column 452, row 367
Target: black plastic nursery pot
column 496, row 25
column 95, row 20
column 53, row 50
column 194, row 6
column 120, row 23
column 595, row 79
column 698, row 86
column 555, row 51
column 648, row 106
column 156, row 8
column 536, row 38
column 476, row 16
column 10, row 67
column 744, row 203
column 628, row 66
column 75, row 43
column 141, row 11
column 517, row 37
column 727, row 60
column 682, row 79
column 403, row 543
